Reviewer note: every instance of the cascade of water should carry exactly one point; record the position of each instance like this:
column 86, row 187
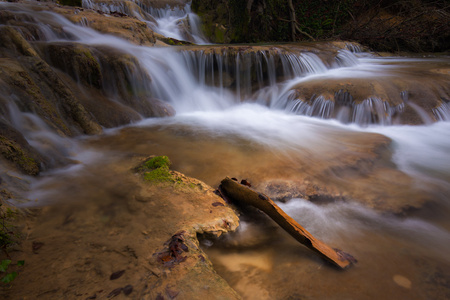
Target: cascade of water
column 248, row 72
column 54, row 148
column 203, row 80
column 178, row 23
column 355, row 48
column 174, row 22
column 442, row 112
column 115, row 7
column 345, row 58
column 295, row 65
column 320, row 107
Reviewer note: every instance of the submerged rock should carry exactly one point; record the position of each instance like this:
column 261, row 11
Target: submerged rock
column 359, row 171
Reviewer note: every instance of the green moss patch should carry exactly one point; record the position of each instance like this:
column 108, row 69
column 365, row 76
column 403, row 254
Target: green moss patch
column 157, row 169
column 159, row 175
column 157, row 162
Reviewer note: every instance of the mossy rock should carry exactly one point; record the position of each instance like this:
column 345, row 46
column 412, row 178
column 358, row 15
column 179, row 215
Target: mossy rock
column 157, row 162
column 157, row 169
column 12, row 40
column 125, row 27
column 15, row 148
column 43, row 92
column 172, row 41
column 76, row 60
column 13, row 152
column 159, row 175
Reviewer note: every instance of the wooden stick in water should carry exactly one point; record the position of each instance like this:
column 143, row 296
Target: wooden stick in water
column 243, row 195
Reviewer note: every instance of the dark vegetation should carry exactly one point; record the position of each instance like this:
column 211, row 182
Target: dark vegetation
column 70, row 2
column 417, row 25
column 9, row 236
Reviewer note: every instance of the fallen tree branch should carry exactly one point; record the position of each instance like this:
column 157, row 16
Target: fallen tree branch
column 243, row 195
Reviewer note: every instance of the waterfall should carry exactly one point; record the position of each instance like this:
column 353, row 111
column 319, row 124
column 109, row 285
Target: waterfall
column 175, row 22
column 442, row 112
column 216, row 77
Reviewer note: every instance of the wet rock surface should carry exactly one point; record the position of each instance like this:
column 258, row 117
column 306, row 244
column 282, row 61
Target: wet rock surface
column 113, row 244
column 75, row 89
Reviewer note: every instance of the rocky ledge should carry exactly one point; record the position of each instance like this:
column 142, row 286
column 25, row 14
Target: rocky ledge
column 141, row 242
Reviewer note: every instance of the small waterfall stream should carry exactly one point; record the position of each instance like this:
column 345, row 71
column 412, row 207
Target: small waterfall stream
column 176, row 22
column 265, row 114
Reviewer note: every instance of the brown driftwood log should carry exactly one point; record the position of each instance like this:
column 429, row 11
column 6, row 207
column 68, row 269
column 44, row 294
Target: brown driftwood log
column 243, row 195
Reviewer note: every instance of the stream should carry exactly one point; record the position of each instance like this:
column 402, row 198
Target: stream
column 389, row 208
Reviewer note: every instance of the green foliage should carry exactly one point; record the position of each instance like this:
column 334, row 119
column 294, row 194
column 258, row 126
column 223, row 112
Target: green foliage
column 269, row 20
column 4, row 265
column 6, row 235
column 9, row 277
column 219, row 35
column 322, row 18
column 4, row 268
column 7, row 239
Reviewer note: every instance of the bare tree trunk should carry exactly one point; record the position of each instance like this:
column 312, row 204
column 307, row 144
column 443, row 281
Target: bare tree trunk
column 292, row 19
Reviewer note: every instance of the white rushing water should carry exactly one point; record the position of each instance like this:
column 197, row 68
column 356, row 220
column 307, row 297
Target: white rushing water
column 180, row 79
column 174, row 22
column 346, row 221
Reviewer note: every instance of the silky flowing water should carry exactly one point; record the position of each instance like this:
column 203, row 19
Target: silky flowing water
column 250, row 131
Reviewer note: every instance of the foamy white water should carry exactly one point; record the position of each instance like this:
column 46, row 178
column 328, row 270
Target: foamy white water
column 422, row 151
